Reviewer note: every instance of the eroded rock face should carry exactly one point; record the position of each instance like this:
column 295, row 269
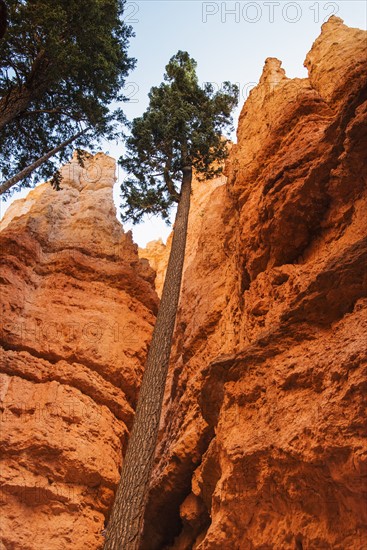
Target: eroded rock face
column 157, row 254
column 262, row 443
column 78, row 311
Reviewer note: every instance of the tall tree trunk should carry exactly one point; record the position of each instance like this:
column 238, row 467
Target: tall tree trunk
column 6, row 185
column 124, row 530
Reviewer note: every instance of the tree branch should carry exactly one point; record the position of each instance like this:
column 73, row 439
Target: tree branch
column 27, row 171
column 47, row 111
column 3, row 18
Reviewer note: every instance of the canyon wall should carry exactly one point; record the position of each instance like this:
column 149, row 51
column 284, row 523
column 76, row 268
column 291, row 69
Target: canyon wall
column 262, row 442
column 78, row 307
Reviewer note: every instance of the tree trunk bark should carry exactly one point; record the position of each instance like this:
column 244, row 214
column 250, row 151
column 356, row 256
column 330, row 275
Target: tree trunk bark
column 3, row 18
column 24, row 173
column 13, row 104
column 18, row 99
column 124, row 530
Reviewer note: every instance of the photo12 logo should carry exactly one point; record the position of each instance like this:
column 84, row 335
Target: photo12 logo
column 131, row 90
column 131, row 10
column 295, row 87
column 253, row 12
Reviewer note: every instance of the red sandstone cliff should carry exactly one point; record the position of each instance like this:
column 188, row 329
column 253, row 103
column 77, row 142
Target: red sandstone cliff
column 157, row 255
column 262, row 442
column 78, row 308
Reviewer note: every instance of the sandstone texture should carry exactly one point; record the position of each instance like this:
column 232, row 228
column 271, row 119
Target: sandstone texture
column 263, row 438
column 262, row 443
column 78, row 307
column 157, row 254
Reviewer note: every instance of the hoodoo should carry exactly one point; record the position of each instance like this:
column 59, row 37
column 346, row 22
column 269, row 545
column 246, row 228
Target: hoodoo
column 262, row 440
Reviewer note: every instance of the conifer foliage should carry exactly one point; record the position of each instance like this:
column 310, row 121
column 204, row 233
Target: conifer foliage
column 183, row 125
column 63, row 65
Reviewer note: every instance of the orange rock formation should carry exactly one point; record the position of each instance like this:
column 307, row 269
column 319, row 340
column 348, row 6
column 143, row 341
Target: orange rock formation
column 262, row 443
column 157, row 254
column 78, row 310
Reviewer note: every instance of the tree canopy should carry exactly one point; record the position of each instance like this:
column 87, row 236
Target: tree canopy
column 183, row 125
column 63, row 65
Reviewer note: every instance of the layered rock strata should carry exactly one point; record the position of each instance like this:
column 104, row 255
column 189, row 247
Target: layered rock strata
column 78, row 307
column 262, row 443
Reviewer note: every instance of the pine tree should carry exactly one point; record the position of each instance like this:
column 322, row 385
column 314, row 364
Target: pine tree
column 63, row 65
column 180, row 132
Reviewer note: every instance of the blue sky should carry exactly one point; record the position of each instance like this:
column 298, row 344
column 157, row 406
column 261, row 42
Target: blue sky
column 229, row 40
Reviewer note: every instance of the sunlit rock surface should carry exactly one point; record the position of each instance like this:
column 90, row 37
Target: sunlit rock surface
column 78, row 307
column 262, row 444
